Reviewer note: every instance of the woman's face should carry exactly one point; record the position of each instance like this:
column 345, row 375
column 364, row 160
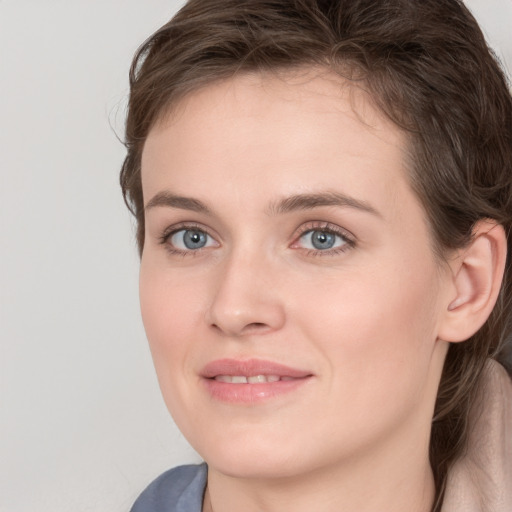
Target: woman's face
column 288, row 287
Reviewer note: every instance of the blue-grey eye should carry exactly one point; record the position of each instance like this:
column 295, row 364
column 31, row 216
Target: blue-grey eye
column 321, row 240
column 190, row 239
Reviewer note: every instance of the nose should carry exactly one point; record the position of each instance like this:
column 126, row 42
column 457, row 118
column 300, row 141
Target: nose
column 246, row 299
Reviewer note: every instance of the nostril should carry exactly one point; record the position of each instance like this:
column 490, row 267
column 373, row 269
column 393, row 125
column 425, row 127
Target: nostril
column 250, row 328
column 256, row 325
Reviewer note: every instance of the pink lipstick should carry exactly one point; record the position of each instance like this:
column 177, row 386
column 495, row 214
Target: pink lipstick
column 250, row 381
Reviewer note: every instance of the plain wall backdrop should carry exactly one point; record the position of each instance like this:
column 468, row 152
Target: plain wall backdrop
column 82, row 425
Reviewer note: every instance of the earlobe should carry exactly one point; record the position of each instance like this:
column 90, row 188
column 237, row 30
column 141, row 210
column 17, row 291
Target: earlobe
column 477, row 273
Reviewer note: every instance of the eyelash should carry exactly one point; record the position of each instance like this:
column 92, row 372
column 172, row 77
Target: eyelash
column 170, row 231
column 324, row 227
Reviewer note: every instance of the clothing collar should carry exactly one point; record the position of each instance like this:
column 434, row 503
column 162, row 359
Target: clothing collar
column 481, row 481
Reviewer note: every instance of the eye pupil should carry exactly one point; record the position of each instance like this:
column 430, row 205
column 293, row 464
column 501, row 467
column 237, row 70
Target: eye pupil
column 194, row 239
column 322, row 240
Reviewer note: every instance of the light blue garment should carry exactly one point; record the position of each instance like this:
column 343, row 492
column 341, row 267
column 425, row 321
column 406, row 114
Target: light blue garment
column 178, row 490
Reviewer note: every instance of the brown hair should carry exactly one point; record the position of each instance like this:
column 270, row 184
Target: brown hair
column 427, row 66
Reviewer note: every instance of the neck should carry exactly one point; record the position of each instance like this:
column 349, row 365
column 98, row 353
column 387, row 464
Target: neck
column 366, row 486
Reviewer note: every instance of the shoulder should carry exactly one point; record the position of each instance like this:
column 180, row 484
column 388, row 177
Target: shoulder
column 179, row 489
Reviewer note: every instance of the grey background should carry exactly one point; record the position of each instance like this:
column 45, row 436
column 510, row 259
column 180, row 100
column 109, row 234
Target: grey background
column 82, row 424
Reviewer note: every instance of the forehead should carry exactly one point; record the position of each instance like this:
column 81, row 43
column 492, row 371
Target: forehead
column 303, row 129
column 300, row 91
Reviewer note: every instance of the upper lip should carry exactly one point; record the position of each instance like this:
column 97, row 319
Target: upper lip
column 250, row 368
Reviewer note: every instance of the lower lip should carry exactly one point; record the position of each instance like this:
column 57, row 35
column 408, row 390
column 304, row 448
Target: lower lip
column 251, row 393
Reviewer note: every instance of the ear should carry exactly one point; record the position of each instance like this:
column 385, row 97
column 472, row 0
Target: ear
column 476, row 275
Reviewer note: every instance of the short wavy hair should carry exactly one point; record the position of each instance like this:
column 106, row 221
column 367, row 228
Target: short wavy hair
column 428, row 68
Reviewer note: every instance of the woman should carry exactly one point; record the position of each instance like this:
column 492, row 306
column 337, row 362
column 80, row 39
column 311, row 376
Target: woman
column 323, row 192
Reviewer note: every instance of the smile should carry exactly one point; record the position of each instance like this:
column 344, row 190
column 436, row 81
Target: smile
column 256, row 379
column 251, row 381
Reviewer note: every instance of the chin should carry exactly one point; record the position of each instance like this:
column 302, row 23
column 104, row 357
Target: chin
column 251, row 456
column 255, row 467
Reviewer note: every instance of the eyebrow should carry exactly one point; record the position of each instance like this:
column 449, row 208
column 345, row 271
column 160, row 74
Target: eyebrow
column 289, row 204
column 310, row 201
column 173, row 201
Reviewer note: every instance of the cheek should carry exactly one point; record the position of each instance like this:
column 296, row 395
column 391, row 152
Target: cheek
column 168, row 314
column 377, row 331
column 171, row 313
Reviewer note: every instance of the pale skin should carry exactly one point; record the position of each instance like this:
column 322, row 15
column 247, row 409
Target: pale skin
column 257, row 165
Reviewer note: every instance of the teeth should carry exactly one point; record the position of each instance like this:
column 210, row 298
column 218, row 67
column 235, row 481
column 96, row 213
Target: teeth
column 257, row 379
column 241, row 379
column 223, row 378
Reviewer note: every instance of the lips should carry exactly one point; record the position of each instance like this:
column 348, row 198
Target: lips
column 242, row 379
column 250, row 381
column 250, row 368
